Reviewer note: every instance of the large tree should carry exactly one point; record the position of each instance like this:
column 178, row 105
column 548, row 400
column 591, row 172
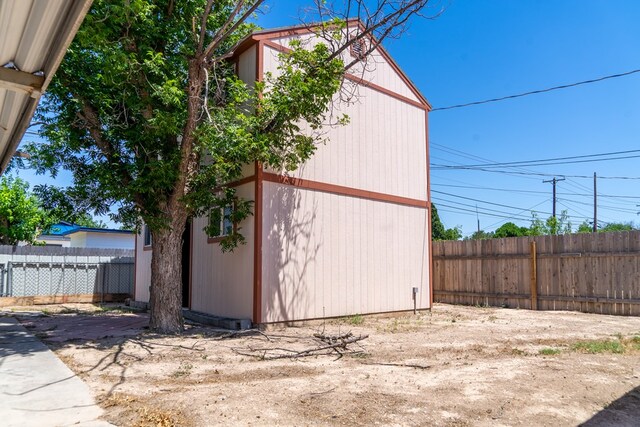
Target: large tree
column 146, row 112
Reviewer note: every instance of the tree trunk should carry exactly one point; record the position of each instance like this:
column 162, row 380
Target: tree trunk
column 165, row 302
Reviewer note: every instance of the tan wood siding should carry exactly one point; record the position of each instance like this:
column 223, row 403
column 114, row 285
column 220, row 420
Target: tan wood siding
column 222, row 283
column 143, row 271
column 332, row 255
column 247, row 66
column 382, row 149
column 376, row 69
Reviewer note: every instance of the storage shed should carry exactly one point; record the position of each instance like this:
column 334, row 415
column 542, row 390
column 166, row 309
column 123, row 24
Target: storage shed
column 347, row 233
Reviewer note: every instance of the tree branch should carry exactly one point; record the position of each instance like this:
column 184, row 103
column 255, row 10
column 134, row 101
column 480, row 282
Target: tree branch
column 390, row 21
column 203, row 24
column 92, row 124
column 227, row 30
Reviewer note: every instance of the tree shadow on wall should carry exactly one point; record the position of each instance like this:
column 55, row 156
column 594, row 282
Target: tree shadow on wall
column 290, row 248
column 624, row 411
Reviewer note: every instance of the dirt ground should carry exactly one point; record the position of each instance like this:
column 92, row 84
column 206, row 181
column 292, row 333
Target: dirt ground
column 455, row 366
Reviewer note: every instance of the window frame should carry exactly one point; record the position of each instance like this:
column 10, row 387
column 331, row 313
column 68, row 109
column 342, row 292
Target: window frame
column 363, row 48
column 146, row 232
column 223, row 219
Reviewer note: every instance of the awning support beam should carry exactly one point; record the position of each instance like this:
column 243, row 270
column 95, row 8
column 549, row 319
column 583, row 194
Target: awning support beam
column 20, row 81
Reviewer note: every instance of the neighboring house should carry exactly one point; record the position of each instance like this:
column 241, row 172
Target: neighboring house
column 347, row 233
column 70, row 235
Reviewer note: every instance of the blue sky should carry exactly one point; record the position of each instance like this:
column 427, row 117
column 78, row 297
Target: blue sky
column 484, row 49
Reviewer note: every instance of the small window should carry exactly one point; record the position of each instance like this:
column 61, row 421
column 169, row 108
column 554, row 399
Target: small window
column 358, row 49
column 147, row 235
column 220, row 223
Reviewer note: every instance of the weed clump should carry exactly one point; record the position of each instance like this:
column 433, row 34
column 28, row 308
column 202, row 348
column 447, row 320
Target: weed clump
column 599, row 346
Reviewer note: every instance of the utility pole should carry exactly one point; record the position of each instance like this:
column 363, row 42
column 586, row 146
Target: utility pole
column 595, row 205
column 554, row 181
column 478, row 219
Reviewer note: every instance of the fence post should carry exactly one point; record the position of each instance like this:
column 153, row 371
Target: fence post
column 534, row 277
column 104, row 279
column 2, row 281
column 9, row 279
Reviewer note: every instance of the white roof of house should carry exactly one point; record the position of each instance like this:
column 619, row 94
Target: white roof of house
column 34, row 36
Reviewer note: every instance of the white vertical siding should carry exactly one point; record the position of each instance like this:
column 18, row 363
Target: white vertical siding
column 222, row 283
column 109, row 240
column 78, row 240
column 333, row 255
column 143, row 270
column 382, row 149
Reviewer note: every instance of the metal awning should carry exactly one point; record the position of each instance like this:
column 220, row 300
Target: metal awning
column 34, row 36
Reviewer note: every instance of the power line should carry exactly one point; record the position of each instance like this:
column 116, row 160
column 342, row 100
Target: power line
column 508, row 190
column 482, row 201
column 500, row 205
column 515, row 169
column 550, row 161
column 547, row 174
column 580, row 187
column 609, row 207
column 518, row 170
column 585, row 216
column 476, row 200
column 438, row 167
column 519, row 213
column 513, row 190
column 534, row 92
column 588, row 216
column 472, row 156
column 473, row 211
column 438, row 201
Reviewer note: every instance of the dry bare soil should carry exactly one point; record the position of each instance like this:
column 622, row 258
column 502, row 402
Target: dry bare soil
column 455, row 366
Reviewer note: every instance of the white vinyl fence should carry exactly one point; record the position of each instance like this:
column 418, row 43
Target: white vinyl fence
column 32, row 271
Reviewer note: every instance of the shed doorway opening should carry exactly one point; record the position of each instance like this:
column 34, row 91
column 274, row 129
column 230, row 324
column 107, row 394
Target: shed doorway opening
column 186, row 266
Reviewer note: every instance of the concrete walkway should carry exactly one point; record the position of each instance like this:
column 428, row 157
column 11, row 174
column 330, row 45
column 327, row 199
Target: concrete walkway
column 36, row 388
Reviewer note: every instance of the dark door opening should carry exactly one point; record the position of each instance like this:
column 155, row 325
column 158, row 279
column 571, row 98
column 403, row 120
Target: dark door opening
column 186, row 265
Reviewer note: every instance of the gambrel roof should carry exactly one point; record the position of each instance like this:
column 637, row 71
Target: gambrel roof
column 276, row 33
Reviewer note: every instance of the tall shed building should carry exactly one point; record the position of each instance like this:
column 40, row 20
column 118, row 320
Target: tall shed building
column 347, row 233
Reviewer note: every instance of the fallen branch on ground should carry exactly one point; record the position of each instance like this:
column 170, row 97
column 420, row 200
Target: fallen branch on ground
column 400, row 365
column 338, row 344
column 245, row 332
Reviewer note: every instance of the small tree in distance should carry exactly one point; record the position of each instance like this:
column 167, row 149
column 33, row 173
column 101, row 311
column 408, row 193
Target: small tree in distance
column 438, row 232
column 21, row 217
column 481, row 235
column 509, row 229
column 587, row 227
column 553, row 225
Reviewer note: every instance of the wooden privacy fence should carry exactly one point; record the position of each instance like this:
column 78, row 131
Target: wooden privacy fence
column 593, row 273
